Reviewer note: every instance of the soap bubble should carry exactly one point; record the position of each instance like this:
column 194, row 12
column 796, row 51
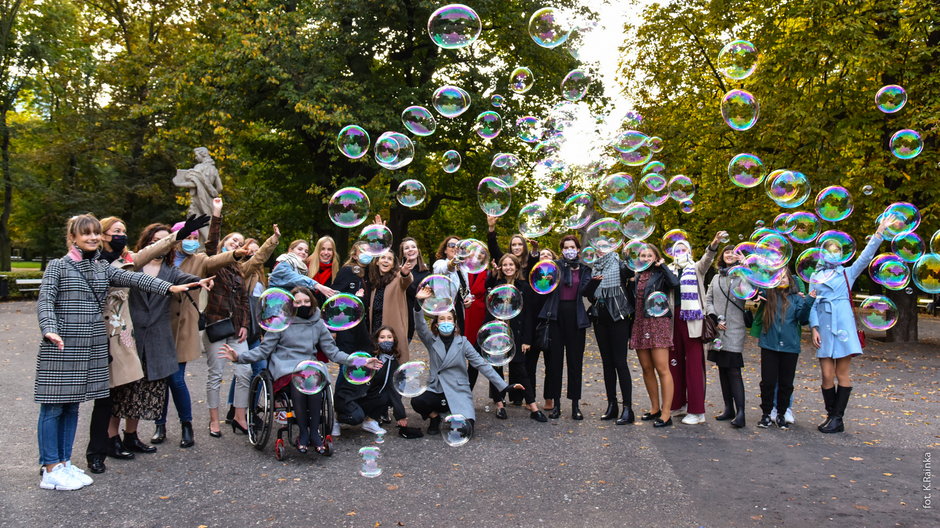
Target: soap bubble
column 310, row 377
column 418, row 120
column 905, row 219
column 631, row 255
column 890, row 98
column 906, row 144
column 630, row 141
column 443, row 294
column 394, row 150
column 637, row 221
column 909, row 246
column 411, row 193
column 604, row 235
column 878, row 313
column 576, row 212
column 687, row 206
column 890, row 271
column 488, row 125
column 342, row 312
column 529, row 129
column 807, row 263
column 657, row 167
column 548, row 27
column 545, row 275
column 575, row 85
column 497, row 100
column 737, row 60
column 746, row 170
column 780, row 223
column 615, row 192
column 550, row 175
column 454, row 26
column 789, row 189
column 496, row 343
column 535, row 220
column 353, row 141
column 926, row 273
column 775, row 249
column 451, row 161
column 494, row 196
column 681, row 188
column 655, row 144
column 504, row 302
column 670, row 238
column 472, row 256
column 588, row 255
column 657, row 304
column 834, row 203
column 935, row 242
column 456, row 430
column 867, row 190
column 637, row 157
column 741, row 287
column 838, row 246
column 841, row 335
column 411, row 379
column 739, row 109
column 760, row 274
column 349, row 207
column 375, row 239
column 507, row 167
column 450, row 101
column 805, row 227
column 521, row 80
column 358, row 373
column 370, row 462
column 277, row 309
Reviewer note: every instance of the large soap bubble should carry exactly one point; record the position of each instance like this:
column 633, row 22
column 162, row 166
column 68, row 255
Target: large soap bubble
column 456, row 430
column 746, row 170
column 494, row 196
column 544, row 277
column 507, row 167
column 575, row 85
column 488, row 124
column 310, row 377
column 681, row 188
column 450, row 101
column 535, row 220
column 277, row 309
column 411, row 379
column 349, row 207
column 739, row 109
column 834, row 203
column 604, row 235
column 737, row 60
column 451, row 161
column 521, row 80
column 496, row 343
column 788, row 189
column 890, row 98
column 353, row 141
column 838, row 246
column 890, row 271
column 394, row 150
column 472, row 256
column 418, row 120
column 370, row 461
column 357, row 373
column 576, row 211
column 504, row 302
column 630, row 141
column 615, row 192
column 342, row 312
column 909, row 247
column 638, row 221
column 878, row 313
column 529, row 129
column 443, row 294
column 548, row 27
column 411, row 193
column 375, row 239
column 454, row 26
column 926, row 273
column 906, row 144
column 905, row 217
column 657, row 304
column 804, row 227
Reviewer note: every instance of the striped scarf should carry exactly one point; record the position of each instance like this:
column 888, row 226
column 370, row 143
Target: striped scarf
column 609, row 267
column 690, row 304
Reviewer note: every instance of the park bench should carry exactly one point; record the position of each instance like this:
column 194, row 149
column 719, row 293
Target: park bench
column 26, row 285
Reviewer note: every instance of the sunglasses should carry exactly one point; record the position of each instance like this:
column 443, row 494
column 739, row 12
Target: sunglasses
column 451, row 244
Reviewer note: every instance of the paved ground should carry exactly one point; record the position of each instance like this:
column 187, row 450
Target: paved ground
column 518, row 472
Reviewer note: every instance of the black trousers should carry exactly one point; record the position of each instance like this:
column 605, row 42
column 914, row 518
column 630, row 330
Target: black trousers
column 517, row 374
column 776, row 369
column 566, row 344
column 612, row 339
column 307, row 409
column 98, row 428
column 532, row 365
column 355, row 412
column 428, row 402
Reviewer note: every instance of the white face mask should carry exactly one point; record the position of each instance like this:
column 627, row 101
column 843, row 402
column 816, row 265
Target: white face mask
column 570, row 254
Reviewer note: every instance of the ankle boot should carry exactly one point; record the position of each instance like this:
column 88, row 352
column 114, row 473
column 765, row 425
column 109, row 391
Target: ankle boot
column 836, row 424
column 132, row 443
column 159, row 434
column 728, row 413
column 829, row 399
column 739, row 420
column 116, row 449
column 575, row 410
column 612, row 411
column 627, row 417
column 186, row 435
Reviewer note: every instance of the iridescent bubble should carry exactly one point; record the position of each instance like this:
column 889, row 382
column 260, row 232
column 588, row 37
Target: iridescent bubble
column 488, row 125
column 451, row 161
column 496, row 343
column 775, row 249
column 759, row 224
column 670, row 239
column 575, row 85
column 789, row 189
column 909, row 291
column 411, row 379
column 348, row 207
column 652, row 190
column 277, row 310
column 535, row 220
column 418, row 120
column 890, row 98
column 394, row 150
column 615, row 192
column 588, row 255
column 741, row 287
column 550, row 175
column 834, row 203
column 443, row 293
column 472, row 256
column 342, row 312
column 926, row 273
column 780, row 223
column 638, row 157
column 717, row 343
column 909, row 246
column 504, row 302
column 638, row 221
column 842, row 335
column 906, row 144
column 357, row 373
column 529, row 129
column 497, row 100
column 935, row 242
column 494, row 196
column 631, row 255
column 867, row 190
column 548, row 27
column 804, row 227
column 456, row 430
column 375, row 239
column 508, row 168
column 759, row 274
column 411, row 193
column 681, row 188
column 687, row 206
column 310, row 377
column 739, row 109
column 657, row 167
column 450, row 101
column 370, row 461
column 737, row 60
column 905, row 217
column 521, row 80
column 630, row 141
column 353, row 141
column 657, row 304
column 454, row 26
column 878, row 313
column 604, row 235
column 545, row 275
column 576, row 212
column 655, row 144
column 838, row 246
column 888, row 270
column 807, row 263
column 654, row 182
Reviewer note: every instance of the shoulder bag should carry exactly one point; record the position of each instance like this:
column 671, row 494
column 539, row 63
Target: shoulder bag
column 748, row 315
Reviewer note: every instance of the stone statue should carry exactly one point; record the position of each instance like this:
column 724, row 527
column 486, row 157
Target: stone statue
column 204, row 184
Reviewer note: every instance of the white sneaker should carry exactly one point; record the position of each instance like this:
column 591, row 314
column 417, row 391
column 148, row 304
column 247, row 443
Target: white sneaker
column 694, row 419
column 773, row 414
column 335, row 432
column 788, row 416
column 78, row 474
column 679, row 411
column 59, row 479
column 373, row 427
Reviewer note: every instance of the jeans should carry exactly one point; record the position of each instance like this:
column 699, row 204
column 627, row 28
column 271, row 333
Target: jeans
column 176, row 385
column 56, row 431
column 217, row 365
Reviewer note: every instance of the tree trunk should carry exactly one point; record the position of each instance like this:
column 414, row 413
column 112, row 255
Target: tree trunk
column 7, row 191
column 905, row 330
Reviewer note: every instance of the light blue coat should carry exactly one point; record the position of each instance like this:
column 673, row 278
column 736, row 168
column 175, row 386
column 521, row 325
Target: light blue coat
column 832, row 311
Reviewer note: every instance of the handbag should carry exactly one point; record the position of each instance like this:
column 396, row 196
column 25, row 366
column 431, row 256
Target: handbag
column 861, row 334
column 709, row 329
column 748, row 315
column 219, row 330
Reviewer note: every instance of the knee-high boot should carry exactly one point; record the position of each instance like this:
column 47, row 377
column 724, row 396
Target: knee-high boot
column 836, row 424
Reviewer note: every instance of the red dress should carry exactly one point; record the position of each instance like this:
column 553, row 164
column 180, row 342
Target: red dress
column 476, row 313
column 648, row 332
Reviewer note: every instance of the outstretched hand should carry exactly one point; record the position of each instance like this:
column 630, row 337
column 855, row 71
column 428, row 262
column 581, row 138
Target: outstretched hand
column 192, row 224
column 423, row 293
column 227, row 352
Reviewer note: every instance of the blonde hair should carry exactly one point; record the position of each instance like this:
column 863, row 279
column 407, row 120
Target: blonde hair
column 313, row 261
column 106, row 224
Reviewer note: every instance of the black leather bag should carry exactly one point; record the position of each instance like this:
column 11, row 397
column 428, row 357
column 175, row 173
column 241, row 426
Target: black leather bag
column 709, row 329
column 219, row 330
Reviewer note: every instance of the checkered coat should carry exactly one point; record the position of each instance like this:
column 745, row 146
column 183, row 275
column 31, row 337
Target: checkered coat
column 70, row 308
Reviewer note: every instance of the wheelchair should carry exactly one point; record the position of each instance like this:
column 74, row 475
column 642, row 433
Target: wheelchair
column 268, row 410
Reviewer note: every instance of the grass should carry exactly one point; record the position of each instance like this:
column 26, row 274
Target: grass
column 19, row 265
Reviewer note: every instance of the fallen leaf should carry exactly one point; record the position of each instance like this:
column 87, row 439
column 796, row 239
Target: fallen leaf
column 856, row 458
column 860, row 507
column 391, row 487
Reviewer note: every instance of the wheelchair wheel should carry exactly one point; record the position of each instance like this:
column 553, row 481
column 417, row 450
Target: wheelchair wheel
column 327, row 417
column 261, row 409
column 279, row 449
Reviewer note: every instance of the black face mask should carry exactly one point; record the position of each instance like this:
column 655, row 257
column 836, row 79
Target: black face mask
column 305, row 312
column 118, row 243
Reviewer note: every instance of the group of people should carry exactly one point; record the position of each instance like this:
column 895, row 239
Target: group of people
column 120, row 327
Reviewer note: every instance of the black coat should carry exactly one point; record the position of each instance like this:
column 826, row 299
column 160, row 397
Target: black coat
column 356, row 338
column 417, row 276
column 549, row 309
column 662, row 280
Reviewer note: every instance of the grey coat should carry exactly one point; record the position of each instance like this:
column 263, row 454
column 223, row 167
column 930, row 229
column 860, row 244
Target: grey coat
column 717, row 303
column 449, row 369
column 71, row 306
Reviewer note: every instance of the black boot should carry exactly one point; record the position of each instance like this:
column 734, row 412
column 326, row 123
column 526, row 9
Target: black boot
column 575, row 410
column 96, row 464
column 612, row 411
column 736, row 384
column 434, row 426
column 627, row 417
column 116, row 449
column 132, row 443
column 728, row 413
column 186, row 435
column 829, row 400
column 836, row 424
column 159, row 434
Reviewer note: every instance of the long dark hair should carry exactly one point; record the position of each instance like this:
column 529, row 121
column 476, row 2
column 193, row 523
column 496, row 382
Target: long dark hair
column 146, row 236
column 434, row 323
column 777, row 301
column 375, row 341
column 377, row 279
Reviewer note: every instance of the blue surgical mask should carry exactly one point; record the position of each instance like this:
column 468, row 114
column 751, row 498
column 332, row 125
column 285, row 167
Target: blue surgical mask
column 365, row 259
column 446, row 328
column 191, row 246
column 224, row 249
column 386, row 346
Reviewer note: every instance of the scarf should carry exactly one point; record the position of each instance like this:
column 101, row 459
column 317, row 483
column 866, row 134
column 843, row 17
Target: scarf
column 325, row 272
column 608, row 266
column 567, row 266
column 294, row 261
column 690, row 306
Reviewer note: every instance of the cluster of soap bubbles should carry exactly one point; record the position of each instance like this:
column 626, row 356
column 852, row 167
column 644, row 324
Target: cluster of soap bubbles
column 906, row 143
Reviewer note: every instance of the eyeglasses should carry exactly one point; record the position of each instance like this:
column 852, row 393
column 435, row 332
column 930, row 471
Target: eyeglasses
column 451, row 244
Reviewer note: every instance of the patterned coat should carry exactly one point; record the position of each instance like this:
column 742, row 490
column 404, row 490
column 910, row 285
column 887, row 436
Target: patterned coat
column 72, row 307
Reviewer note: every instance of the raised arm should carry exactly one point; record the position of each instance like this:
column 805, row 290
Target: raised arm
column 285, row 276
column 424, row 333
column 864, row 259
column 215, row 228
column 217, row 262
column 145, row 255
column 492, row 244
column 263, row 254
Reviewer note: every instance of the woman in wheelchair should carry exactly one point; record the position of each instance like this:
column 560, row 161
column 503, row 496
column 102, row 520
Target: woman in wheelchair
column 284, row 350
column 449, row 386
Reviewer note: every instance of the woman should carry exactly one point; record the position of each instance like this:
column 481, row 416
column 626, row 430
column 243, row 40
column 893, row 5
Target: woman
column 517, row 247
column 290, row 270
column 687, row 357
column 408, row 251
column 563, row 315
column 448, row 386
column 652, row 331
column 474, row 315
column 284, row 350
column 728, row 312
column 446, row 264
column 72, row 366
column 322, row 264
column 834, row 330
column 387, row 302
column 612, row 314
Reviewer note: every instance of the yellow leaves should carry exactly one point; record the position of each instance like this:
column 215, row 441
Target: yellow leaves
column 888, row 474
column 857, row 459
column 165, row 497
column 351, row 514
column 391, row 487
